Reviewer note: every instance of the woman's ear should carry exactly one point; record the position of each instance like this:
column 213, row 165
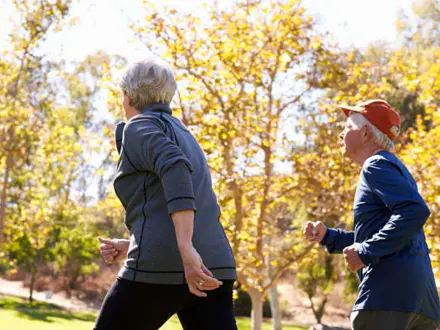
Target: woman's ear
column 128, row 100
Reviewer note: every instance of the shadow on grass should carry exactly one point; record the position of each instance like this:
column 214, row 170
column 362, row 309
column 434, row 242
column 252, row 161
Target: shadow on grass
column 42, row 311
column 20, row 303
column 52, row 316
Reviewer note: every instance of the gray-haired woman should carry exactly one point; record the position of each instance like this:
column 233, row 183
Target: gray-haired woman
column 178, row 259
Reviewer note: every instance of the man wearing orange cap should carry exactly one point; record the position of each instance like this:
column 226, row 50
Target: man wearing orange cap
column 387, row 248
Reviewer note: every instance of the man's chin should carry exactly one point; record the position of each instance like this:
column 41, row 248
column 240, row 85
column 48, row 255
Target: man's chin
column 345, row 154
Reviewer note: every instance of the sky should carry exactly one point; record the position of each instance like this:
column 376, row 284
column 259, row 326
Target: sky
column 104, row 24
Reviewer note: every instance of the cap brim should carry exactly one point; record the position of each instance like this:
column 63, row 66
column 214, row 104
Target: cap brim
column 347, row 109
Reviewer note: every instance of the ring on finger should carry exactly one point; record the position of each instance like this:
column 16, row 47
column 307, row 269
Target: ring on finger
column 201, row 282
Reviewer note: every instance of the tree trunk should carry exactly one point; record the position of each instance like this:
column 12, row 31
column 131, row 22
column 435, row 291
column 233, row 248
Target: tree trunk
column 3, row 197
column 275, row 308
column 31, row 289
column 257, row 309
column 318, row 311
column 321, row 309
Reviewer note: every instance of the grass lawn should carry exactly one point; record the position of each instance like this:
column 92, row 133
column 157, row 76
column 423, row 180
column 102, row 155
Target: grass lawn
column 15, row 314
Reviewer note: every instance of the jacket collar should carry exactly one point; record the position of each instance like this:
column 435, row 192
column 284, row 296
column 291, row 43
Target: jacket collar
column 158, row 107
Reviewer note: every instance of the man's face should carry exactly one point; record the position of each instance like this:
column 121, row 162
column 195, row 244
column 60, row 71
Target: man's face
column 351, row 140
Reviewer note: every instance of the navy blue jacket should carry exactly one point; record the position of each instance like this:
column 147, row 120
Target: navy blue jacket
column 389, row 215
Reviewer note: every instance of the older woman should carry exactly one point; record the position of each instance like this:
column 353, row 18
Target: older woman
column 178, row 259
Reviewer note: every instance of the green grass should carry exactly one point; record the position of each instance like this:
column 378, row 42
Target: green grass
column 16, row 314
column 243, row 323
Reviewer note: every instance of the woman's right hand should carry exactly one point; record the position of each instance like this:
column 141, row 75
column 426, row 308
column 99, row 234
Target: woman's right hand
column 113, row 249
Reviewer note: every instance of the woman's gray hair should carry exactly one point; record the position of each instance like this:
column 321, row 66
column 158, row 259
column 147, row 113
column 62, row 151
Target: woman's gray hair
column 359, row 121
column 149, row 81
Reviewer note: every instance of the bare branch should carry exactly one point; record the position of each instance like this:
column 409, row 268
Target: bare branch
column 288, row 263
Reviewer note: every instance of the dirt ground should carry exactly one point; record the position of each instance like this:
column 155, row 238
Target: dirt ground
column 16, row 288
column 297, row 307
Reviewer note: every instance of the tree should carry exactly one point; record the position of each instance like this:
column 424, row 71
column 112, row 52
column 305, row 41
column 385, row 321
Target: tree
column 420, row 155
column 406, row 76
column 24, row 254
column 245, row 71
column 422, row 30
column 422, row 50
column 76, row 252
column 40, row 195
column 23, row 75
column 50, row 130
column 316, row 277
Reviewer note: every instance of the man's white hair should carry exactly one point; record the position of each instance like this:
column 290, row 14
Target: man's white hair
column 149, row 81
column 359, row 121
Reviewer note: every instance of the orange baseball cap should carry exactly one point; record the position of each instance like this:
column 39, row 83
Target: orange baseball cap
column 380, row 114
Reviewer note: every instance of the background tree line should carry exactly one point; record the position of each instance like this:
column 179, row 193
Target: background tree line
column 259, row 84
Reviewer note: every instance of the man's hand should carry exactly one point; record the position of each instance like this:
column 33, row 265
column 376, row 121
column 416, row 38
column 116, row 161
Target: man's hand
column 198, row 277
column 113, row 249
column 351, row 257
column 314, row 232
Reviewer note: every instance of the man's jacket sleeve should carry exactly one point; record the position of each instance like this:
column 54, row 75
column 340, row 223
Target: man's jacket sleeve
column 336, row 240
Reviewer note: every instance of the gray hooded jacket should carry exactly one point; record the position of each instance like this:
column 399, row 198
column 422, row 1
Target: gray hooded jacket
column 161, row 170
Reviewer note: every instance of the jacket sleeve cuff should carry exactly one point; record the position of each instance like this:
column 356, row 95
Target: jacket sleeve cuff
column 178, row 188
column 364, row 255
column 181, row 204
column 329, row 237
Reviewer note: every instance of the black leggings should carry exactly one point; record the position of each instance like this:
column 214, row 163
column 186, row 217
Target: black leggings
column 142, row 306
